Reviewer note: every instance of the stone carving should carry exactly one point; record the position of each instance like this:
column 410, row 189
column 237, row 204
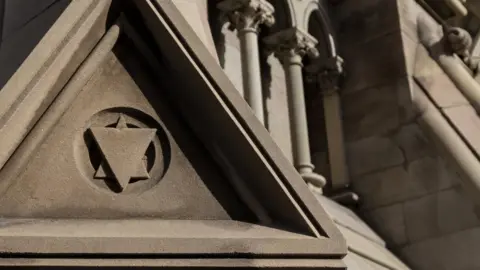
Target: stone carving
column 125, row 148
column 460, row 42
column 247, row 14
column 123, row 151
column 290, row 43
column 327, row 73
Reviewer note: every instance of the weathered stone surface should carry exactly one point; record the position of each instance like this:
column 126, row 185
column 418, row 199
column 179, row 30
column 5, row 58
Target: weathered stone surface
column 434, row 80
column 409, row 52
column 382, row 188
column 438, row 214
column 389, row 222
column 372, row 154
column 399, row 184
column 452, row 251
column 408, row 11
column 357, row 262
column 231, row 59
column 432, row 174
column 72, row 190
column 365, row 20
column 467, row 122
column 196, row 14
column 361, row 245
column 374, row 111
column 348, row 219
column 378, row 61
column 276, row 106
column 412, row 141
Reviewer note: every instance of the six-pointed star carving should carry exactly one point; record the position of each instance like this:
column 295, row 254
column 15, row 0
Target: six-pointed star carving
column 123, row 149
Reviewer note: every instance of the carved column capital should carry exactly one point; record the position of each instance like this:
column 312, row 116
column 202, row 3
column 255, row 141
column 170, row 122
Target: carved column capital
column 292, row 45
column 326, row 73
column 247, row 15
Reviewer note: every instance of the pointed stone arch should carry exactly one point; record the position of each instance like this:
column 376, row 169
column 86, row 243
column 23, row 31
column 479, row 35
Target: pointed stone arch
column 284, row 14
column 316, row 21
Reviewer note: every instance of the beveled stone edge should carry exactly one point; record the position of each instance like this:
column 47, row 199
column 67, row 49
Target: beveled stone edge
column 218, row 238
column 298, row 264
column 20, row 107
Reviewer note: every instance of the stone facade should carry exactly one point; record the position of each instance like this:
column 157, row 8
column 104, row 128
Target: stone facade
column 109, row 151
column 410, row 192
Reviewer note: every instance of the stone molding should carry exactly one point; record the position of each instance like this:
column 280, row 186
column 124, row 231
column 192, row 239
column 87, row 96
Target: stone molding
column 292, row 43
column 247, row 15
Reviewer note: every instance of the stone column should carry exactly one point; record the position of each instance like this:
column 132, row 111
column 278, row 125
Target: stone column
column 290, row 46
column 327, row 73
column 246, row 16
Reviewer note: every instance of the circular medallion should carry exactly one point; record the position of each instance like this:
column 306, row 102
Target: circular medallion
column 123, row 150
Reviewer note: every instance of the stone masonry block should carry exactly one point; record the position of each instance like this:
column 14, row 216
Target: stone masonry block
column 408, row 11
column 389, row 221
column 373, row 111
column 402, row 183
column 378, row 61
column 432, row 174
column 466, row 121
column 360, row 21
column 412, row 141
column 453, row 251
column 372, row 154
column 435, row 82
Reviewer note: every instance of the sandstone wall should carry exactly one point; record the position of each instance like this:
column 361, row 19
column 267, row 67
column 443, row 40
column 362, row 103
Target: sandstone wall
column 410, row 195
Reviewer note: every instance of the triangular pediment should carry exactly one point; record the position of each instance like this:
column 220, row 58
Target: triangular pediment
column 143, row 147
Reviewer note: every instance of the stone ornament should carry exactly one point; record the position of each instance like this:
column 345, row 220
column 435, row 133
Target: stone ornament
column 290, row 43
column 247, row 15
column 460, row 43
column 123, row 151
column 327, row 73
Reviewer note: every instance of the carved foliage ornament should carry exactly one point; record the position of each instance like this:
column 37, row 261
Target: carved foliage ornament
column 247, row 15
column 327, row 73
column 290, row 43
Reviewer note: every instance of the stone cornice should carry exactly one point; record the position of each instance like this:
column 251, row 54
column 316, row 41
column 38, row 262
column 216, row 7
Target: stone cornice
column 292, row 42
column 247, row 15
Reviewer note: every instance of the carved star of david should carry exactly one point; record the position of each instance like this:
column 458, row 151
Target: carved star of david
column 123, row 151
